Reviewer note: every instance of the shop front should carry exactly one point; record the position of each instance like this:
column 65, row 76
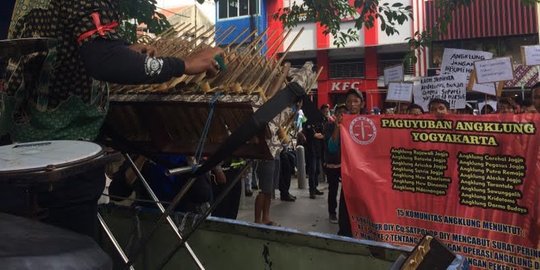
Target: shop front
column 335, row 90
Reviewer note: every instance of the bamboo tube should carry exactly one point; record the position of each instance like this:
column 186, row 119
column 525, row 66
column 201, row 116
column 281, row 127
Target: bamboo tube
column 250, row 50
column 172, row 29
column 254, row 70
column 231, row 62
column 225, row 34
column 267, row 82
column 231, row 76
column 277, row 85
column 243, row 41
column 267, row 65
column 247, row 71
column 310, row 85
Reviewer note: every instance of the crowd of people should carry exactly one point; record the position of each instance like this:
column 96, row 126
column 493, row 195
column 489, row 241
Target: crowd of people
column 321, row 140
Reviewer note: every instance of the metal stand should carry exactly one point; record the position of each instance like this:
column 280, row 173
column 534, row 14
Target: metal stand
column 162, row 209
column 113, row 240
column 212, row 207
column 250, row 128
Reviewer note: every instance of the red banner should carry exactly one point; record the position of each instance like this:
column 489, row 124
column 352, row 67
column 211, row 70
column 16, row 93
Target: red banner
column 471, row 181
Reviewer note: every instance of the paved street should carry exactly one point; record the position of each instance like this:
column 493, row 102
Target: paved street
column 304, row 214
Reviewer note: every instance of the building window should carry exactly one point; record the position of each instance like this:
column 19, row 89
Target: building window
column 237, row 8
column 346, row 70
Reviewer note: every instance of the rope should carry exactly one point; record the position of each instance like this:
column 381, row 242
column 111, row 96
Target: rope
column 200, row 145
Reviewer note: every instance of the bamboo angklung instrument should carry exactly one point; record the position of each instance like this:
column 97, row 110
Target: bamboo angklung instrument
column 247, row 70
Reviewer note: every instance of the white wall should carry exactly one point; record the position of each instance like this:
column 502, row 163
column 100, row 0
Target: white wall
column 306, row 41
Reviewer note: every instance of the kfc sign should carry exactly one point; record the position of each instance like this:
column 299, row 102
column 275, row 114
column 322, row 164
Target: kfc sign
column 344, row 85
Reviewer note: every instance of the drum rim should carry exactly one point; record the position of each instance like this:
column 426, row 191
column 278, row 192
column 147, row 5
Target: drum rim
column 61, row 166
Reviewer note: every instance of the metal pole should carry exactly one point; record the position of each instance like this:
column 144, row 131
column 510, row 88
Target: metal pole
column 165, row 214
column 301, row 166
column 162, row 209
column 206, row 214
column 181, row 170
column 113, row 240
column 256, row 123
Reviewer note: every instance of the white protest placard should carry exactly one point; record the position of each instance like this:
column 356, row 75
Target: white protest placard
column 486, row 88
column 458, row 61
column 450, row 87
column 494, row 70
column 393, row 74
column 531, row 55
column 398, row 91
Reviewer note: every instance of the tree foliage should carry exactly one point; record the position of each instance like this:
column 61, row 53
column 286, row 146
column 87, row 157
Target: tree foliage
column 134, row 12
column 330, row 14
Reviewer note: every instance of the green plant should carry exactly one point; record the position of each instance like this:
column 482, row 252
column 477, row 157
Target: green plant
column 134, row 12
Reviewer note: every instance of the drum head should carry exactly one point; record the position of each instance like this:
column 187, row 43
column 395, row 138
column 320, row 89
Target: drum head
column 36, row 156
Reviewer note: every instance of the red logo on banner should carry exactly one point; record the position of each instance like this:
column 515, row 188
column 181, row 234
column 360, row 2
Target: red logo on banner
column 363, row 130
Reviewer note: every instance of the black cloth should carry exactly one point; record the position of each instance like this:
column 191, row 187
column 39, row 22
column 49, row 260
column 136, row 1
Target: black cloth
column 228, row 207
column 72, row 204
column 314, row 151
column 314, row 146
column 28, row 244
column 287, row 163
column 6, row 11
column 314, row 169
column 343, row 218
column 333, row 175
column 112, row 61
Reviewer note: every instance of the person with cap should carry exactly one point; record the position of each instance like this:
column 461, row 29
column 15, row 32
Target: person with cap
column 354, row 104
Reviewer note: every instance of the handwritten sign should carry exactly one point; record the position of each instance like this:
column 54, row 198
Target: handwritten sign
column 530, row 55
column 458, row 61
column 399, row 92
column 393, row 74
column 486, row 88
column 494, row 70
column 450, row 87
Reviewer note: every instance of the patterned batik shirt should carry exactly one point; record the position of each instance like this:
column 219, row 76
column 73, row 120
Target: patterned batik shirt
column 50, row 95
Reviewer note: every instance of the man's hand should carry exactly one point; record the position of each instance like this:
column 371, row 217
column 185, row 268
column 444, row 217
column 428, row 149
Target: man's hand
column 144, row 49
column 339, row 118
column 203, row 61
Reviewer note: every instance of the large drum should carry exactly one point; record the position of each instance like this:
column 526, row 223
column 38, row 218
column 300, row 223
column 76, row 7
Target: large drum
column 48, row 162
column 29, row 170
